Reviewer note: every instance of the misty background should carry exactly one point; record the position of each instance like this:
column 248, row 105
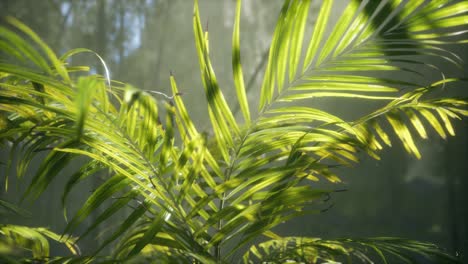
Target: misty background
column 142, row 41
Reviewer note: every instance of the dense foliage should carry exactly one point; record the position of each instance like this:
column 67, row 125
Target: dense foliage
column 211, row 197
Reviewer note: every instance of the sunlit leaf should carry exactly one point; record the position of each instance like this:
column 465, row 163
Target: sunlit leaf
column 237, row 68
column 203, row 197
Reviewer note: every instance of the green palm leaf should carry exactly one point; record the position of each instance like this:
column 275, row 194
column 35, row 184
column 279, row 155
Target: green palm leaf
column 34, row 239
column 193, row 198
column 315, row 250
column 18, row 243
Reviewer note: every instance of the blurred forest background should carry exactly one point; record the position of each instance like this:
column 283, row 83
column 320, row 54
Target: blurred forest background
column 143, row 40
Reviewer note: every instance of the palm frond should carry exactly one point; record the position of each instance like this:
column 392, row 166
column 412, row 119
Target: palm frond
column 316, row 250
column 289, row 145
column 191, row 198
column 18, row 243
column 34, row 239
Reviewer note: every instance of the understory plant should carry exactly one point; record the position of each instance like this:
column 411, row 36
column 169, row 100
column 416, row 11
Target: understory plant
column 194, row 197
